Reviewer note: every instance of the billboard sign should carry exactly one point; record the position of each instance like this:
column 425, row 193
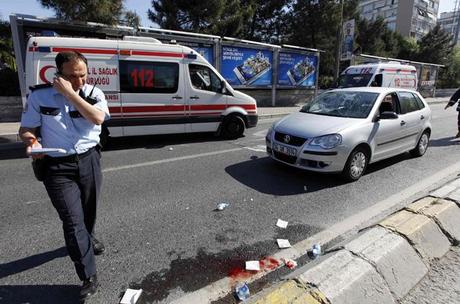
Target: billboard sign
column 296, row 69
column 246, row 67
column 348, row 31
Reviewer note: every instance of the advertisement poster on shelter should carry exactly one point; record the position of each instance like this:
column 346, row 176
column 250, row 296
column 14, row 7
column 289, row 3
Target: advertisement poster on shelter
column 297, row 70
column 247, row 67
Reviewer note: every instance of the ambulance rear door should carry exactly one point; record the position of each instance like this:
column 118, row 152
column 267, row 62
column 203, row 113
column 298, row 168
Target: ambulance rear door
column 152, row 91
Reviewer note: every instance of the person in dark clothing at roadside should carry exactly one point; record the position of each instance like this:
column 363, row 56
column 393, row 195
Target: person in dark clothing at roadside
column 451, row 102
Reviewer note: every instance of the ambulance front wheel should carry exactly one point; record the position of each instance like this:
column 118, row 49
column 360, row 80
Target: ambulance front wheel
column 232, row 127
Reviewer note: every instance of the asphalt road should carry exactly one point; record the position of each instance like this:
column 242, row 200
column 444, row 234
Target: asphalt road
column 157, row 214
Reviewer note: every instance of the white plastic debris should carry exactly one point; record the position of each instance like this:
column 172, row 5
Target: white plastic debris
column 170, row 149
column 222, row 206
column 131, row 296
column 253, row 265
column 283, row 243
column 282, row 224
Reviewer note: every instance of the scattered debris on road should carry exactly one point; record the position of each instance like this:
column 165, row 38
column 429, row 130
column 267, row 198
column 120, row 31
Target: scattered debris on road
column 291, row 264
column 222, row 206
column 131, row 296
column 242, row 291
column 253, row 265
column 282, row 224
column 283, row 243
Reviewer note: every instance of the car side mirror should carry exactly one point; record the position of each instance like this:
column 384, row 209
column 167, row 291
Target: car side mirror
column 388, row 115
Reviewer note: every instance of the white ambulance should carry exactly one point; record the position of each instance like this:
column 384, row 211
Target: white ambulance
column 389, row 75
column 150, row 87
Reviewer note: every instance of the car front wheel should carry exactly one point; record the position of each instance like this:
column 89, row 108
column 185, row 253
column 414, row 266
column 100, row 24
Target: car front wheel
column 355, row 165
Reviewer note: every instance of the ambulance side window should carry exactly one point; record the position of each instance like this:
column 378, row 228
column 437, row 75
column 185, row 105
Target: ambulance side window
column 148, row 77
column 203, row 78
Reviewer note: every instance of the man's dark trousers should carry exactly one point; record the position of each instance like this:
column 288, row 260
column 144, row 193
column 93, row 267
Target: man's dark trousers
column 74, row 187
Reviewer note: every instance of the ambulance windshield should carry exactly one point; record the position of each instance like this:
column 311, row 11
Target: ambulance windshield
column 354, row 80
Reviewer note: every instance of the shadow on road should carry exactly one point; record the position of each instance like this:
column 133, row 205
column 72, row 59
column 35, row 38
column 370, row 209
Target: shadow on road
column 39, row 294
column 444, row 142
column 158, row 141
column 30, row 262
column 269, row 177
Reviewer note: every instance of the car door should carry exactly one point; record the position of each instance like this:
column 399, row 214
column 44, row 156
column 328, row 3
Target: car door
column 205, row 102
column 411, row 119
column 387, row 131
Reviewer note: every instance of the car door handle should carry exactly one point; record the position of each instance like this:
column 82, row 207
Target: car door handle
column 194, row 97
column 402, row 123
column 422, row 117
column 177, row 97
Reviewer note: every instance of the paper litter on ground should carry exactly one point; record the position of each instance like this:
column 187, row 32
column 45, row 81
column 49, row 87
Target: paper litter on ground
column 282, row 243
column 131, row 296
column 282, row 224
column 253, row 265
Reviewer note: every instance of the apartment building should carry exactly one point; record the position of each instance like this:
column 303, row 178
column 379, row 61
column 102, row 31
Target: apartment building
column 450, row 22
column 411, row 18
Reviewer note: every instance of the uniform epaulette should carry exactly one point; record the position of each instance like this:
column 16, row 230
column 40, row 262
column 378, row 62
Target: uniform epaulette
column 40, row 86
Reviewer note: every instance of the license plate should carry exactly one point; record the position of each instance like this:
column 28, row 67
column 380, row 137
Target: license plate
column 285, row 150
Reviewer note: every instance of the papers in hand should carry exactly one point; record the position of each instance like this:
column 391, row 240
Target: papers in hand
column 47, row 150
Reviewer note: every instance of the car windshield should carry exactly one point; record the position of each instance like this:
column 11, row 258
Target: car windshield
column 354, row 80
column 351, row 104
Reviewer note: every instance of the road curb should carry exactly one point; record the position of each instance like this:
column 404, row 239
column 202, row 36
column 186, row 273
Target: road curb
column 384, row 262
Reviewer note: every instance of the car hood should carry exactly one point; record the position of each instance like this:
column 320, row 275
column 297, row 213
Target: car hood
column 311, row 125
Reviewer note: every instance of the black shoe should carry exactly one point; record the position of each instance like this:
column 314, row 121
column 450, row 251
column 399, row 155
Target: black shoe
column 98, row 247
column 88, row 288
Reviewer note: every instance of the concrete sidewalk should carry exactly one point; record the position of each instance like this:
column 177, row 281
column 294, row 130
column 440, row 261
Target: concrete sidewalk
column 9, row 130
column 386, row 261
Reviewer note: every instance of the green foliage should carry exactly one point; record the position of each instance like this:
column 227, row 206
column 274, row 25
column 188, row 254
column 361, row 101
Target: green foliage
column 449, row 77
column 102, row 11
column 6, row 46
column 435, row 47
column 130, row 18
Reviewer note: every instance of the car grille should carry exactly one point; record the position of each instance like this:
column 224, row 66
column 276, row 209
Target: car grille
column 284, row 157
column 295, row 140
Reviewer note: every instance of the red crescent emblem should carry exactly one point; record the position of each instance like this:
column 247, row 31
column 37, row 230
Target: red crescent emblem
column 43, row 71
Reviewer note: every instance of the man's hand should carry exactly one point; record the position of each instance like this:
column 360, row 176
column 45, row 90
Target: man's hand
column 34, row 144
column 63, row 86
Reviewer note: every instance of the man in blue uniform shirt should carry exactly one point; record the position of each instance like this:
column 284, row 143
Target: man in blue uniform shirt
column 68, row 115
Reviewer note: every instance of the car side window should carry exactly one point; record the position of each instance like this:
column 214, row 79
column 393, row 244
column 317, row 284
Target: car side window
column 203, row 78
column 408, row 102
column 420, row 103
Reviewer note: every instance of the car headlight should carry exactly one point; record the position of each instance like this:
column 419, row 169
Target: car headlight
column 327, row 141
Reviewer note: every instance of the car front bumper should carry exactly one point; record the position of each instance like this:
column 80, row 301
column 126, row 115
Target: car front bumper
column 310, row 158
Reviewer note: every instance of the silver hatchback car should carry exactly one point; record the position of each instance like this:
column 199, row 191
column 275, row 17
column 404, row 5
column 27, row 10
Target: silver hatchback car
column 344, row 130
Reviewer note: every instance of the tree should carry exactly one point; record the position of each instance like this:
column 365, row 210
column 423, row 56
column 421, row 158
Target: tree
column 130, row 18
column 6, row 46
column 449, row 77
column 102, row 11
column 436, row 46
column 266, row 22
column 375, row 38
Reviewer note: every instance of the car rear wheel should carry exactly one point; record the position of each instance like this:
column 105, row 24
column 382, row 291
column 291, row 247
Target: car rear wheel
column 422, row 145
column 233, row 127
column 355, row 165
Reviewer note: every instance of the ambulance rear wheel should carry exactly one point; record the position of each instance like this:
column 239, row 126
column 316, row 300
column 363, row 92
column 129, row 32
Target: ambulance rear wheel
column 232, row 127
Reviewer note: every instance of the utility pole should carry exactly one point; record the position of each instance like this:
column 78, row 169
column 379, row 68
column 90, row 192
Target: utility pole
column 339, row 42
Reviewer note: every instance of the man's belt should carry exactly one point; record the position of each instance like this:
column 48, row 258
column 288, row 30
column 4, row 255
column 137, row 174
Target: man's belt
column 73, row 158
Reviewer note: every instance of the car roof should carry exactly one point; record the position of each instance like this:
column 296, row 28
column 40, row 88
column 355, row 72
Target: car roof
column 378, row 90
